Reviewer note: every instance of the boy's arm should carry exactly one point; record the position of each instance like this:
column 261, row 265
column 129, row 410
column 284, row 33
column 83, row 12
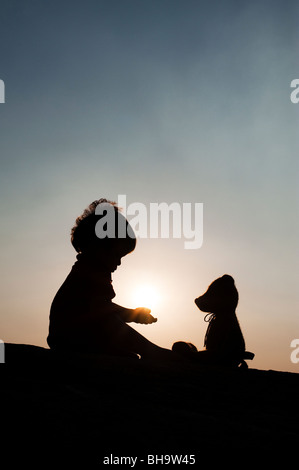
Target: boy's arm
column 126, row 314
column 137, row 315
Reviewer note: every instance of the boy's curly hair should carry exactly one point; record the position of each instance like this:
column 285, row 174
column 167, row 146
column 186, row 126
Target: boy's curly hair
column 83, row 236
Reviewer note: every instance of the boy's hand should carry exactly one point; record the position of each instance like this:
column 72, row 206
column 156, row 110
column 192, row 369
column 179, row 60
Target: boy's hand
column 143, row 315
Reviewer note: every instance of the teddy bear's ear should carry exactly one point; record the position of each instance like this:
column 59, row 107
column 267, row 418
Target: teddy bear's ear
column 228, row 279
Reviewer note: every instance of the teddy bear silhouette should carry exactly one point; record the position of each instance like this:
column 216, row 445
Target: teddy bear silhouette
column 224, row 342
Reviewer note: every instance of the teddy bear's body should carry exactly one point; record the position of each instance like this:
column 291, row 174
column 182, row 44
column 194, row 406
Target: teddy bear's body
column 220, row 301
column 224, row 342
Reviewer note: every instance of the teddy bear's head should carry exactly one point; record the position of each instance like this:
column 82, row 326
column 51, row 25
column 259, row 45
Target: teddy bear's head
column 221, row 296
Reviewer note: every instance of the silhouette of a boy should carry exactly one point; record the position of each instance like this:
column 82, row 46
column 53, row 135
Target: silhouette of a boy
column 83, row 316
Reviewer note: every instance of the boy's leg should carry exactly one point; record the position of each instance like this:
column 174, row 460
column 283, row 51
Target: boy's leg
column 110, row 334
column 125, row 338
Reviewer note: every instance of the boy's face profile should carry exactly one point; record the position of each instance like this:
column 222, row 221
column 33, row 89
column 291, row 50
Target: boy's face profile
column 109, row 258
column 118, row 240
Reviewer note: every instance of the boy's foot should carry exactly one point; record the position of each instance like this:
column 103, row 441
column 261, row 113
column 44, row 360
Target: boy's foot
column 158, row 354
column 184, row 349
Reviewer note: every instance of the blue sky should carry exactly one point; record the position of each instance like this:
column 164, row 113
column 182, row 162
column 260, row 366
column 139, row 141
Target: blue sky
column 185, row 101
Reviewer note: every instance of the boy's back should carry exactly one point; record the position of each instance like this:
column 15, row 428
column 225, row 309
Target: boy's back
column 84, row 297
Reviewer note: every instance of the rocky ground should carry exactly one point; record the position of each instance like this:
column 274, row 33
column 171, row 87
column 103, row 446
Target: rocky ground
column 80, row 411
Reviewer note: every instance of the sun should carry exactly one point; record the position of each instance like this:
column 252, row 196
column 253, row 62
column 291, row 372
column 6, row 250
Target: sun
column 146, row 295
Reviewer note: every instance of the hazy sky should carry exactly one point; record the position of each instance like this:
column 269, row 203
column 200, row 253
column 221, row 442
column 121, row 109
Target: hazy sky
column 163, row 101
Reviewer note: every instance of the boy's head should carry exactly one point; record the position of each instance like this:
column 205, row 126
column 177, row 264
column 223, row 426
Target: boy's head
column 103, row 232
column 221, row 296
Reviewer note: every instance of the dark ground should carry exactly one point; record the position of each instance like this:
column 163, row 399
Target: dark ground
column 76, row 409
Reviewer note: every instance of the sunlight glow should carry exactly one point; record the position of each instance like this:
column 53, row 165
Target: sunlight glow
column 146, row 295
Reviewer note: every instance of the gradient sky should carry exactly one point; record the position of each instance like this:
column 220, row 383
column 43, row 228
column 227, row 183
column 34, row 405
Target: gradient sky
column 163, row 101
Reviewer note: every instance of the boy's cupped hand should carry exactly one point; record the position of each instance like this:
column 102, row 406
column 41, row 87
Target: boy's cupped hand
column 143, row 315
